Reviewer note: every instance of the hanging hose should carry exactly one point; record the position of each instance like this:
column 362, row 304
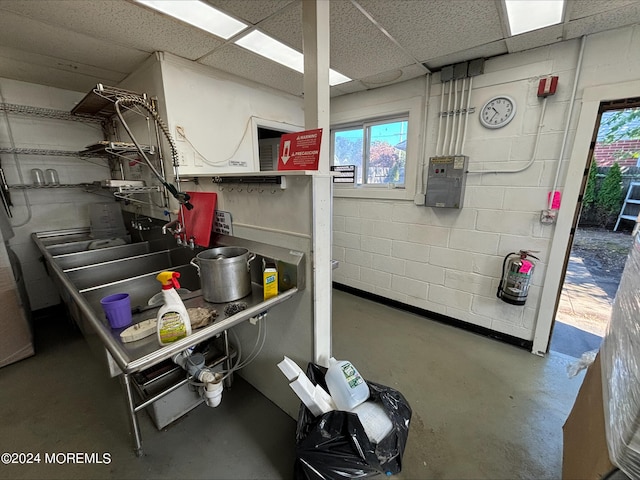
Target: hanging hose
column 124, row 100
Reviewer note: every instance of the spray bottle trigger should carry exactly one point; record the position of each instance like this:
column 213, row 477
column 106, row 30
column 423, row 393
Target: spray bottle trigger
column 174, row 279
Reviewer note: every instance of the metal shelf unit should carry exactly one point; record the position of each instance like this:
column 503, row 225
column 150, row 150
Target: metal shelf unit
column 29, row 111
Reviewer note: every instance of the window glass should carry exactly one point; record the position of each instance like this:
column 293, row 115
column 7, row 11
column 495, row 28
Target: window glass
column 347, row 148
column 377, row 149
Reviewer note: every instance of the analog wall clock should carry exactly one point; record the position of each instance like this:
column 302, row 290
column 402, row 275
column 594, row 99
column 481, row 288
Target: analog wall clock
column 498, row 111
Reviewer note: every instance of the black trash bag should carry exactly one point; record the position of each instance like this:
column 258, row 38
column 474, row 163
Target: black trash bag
column 335, row 445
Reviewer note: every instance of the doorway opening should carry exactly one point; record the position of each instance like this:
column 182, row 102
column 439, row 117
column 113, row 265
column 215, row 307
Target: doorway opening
column 601, row 234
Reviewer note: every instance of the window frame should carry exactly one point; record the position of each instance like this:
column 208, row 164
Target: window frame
column 366, row 126
column 349, row 110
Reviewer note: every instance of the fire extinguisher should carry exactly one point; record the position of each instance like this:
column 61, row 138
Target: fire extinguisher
column 517, row 271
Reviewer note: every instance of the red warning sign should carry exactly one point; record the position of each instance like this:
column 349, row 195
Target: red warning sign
column 300, row 150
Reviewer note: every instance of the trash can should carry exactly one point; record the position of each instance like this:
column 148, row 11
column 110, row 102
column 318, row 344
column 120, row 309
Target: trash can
column 335, row 445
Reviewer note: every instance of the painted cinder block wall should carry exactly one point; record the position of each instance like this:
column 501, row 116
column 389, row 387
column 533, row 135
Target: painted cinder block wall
column 449, row 261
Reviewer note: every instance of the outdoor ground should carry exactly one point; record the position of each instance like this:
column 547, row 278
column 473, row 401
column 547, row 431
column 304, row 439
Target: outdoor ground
column 604, row 253
column 594, row 271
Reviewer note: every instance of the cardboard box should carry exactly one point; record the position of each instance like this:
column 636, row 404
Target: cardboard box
column 585, row 454
column 16, row 341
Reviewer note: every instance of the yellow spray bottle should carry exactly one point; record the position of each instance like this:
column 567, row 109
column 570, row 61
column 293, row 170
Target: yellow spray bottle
column 173, row 319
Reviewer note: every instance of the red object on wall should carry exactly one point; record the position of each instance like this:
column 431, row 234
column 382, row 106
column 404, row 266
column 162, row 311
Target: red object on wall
column 300, row 151
column 547, row 86
column 198, row 222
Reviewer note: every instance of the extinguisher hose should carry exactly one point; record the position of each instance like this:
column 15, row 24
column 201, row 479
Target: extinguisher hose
column 504, row 264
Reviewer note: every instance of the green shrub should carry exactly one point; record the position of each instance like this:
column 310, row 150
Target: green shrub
column 589, row 197
column 609, row 195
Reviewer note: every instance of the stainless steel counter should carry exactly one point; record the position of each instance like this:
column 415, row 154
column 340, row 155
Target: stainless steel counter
column 142, row 354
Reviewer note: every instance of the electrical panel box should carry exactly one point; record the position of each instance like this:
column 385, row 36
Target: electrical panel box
column 446, row 181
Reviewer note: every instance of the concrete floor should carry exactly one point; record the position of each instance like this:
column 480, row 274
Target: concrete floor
column 481, row 408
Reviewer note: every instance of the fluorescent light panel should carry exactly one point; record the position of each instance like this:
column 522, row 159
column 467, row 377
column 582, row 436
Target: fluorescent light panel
column 527, row 15
column 198, row 14
column 269, row 47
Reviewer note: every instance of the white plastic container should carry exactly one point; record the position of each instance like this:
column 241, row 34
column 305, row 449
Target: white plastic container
column 346, row 386
column 173, row 321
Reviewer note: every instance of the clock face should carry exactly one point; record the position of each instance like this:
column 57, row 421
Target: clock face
column 498, row 112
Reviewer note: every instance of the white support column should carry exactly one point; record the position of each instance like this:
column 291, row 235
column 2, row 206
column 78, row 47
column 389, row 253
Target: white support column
column 315, row 28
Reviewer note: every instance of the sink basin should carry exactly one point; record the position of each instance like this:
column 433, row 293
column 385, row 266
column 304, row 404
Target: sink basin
column 140, row 287
column 96, row 272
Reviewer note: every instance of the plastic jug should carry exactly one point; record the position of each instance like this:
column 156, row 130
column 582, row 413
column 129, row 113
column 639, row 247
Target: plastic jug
column 346, row 386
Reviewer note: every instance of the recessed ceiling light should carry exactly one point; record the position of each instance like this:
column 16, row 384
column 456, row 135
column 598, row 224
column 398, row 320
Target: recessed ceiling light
column 269, row 47
column 198, row 14
column 527, row 15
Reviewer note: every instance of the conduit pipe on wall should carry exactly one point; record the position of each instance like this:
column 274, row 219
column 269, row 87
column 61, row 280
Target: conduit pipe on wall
column 535, row 146
column 446, row 126
column 423, row 153
column 458, row 133
column 568, row 119
column 440, row 120
column 453, row 120
column 466, row 116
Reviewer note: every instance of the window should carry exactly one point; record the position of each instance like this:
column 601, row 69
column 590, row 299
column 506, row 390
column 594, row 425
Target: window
column 377, row 149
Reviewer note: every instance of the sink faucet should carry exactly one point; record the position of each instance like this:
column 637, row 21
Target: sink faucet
column 174, row 231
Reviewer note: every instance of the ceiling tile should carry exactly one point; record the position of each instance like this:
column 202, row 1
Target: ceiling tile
column 44, row 75
column 584, row 8
column 620, row 17
column 107, row 76
column 355, row 42
column 536, row 38
column 240, row 62
column 483, row 51
column 34, row 36
column 433, row 28
column 250, row 11
column 286, row 26
column 121, row 23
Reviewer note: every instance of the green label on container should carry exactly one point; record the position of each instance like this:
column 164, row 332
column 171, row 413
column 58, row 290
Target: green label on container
column 351, row 374
column 172, row 328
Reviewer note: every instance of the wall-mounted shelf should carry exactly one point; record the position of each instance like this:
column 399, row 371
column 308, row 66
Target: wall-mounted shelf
column 29, row 111
column 101, row 101
column 61, row 185
column 40, row 151
column 115, row 148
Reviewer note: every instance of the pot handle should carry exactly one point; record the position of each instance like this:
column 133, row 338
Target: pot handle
column 195, row 264
column 251, row 258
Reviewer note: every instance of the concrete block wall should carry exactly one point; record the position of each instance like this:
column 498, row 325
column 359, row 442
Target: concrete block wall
column 450, row 261
column 50, row 209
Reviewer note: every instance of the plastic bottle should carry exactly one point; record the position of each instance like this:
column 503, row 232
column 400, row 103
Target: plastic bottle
column 173, row 320
column 346, row 386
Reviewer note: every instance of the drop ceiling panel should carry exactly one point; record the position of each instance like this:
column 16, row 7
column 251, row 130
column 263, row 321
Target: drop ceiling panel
column 286, row 26
column 240, row 62
column 120, row 23
column 584, row 8
column 44, row 75
column 620, row 17
column 357, row 47
column 483, row 51
column 251, row 11
column 536, row 38
column 356, row 42
column 433, row 28
column 37, row 37
column 107, row 76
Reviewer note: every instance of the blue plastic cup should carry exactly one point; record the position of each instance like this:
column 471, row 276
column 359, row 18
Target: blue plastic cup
column 117, row 309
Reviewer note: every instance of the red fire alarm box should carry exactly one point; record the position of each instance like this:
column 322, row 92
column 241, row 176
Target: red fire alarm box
column 547, row 86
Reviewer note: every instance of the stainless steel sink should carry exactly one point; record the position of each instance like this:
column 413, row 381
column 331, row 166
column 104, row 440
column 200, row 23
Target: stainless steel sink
column 140, row 287
column 94, row 271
